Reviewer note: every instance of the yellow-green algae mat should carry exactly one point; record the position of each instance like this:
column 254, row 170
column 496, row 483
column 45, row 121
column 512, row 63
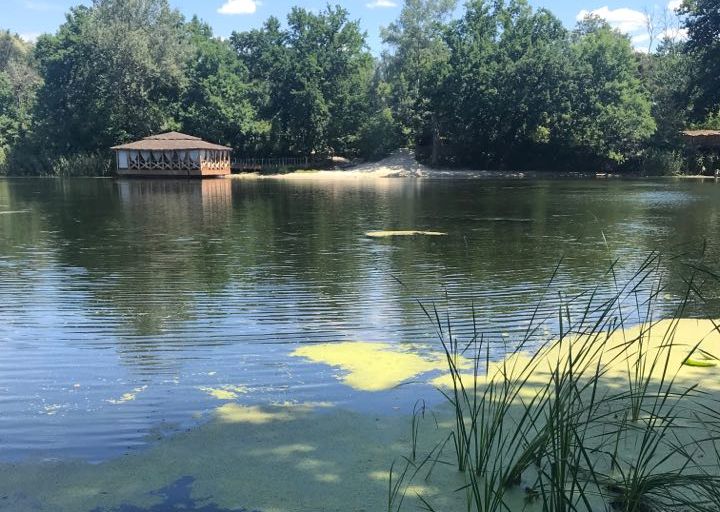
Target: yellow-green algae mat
column 693, row 341
column 226, row 392
column 388, row 234
column 288, row 458
column 293, row 458
column 374, row 366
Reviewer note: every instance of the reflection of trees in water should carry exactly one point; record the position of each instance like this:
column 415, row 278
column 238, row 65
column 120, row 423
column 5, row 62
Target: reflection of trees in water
column 162, row 252
column 513, row 234
column 176, row 497
column 144, row 244
column 24, row 249
column 21, row 223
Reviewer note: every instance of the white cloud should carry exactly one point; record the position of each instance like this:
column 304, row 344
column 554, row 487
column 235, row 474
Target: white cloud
column 624, row 19
column 634, row 23
column 239, row 7
column 382, row 4
column 675, row 34
column 41, row 6
column 30, row 37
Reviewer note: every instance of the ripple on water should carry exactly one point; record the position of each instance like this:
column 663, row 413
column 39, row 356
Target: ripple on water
column 132, row 308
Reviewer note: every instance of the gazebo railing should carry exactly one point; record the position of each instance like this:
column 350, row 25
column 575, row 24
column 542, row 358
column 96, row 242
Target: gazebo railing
column 259, row 164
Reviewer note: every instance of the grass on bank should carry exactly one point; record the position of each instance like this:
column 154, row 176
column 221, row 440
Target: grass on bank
column 604, row 417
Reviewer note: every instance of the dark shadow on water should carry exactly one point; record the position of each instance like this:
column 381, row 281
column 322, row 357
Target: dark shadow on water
column 176, row 497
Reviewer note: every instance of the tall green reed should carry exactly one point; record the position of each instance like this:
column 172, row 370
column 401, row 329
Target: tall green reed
column 567, row 437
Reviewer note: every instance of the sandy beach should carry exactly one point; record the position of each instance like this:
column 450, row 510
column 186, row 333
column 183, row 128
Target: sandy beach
column 401, row 164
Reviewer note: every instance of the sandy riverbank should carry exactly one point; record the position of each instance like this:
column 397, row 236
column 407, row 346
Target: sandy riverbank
column 401, row 164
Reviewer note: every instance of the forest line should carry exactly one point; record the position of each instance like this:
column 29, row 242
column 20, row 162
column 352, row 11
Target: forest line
column 501, row 86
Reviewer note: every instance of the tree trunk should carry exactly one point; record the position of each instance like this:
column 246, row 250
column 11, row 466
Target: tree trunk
column 435, row 157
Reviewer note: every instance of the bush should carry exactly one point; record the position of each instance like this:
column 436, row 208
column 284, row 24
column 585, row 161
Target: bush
column 82, row 164
column 27, row 162
column 663, row 162
column 379, row 136
column 3, row 161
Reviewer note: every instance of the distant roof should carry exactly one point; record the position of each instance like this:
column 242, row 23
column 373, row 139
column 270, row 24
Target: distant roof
column 702, row 133
column 172, row 136
column 171, row 141
column 702, row 138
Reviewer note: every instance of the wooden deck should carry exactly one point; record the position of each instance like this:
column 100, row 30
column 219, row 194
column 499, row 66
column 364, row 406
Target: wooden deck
column 268, row 164
column 205, row 170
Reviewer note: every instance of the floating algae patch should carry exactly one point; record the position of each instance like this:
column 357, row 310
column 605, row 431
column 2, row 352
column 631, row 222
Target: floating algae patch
column 505, row 219
column 236, row 413
column 373, row 366
column 306, row 462
column 228, row 392
column 691, row 348
column 128, row 397
column 388, row 234
column 14, row 212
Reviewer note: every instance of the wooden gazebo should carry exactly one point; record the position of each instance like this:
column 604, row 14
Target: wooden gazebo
column 172, row 154
column 702, row 139
column 704, row 151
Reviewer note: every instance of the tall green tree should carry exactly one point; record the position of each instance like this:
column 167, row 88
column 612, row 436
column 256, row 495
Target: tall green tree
column 380, row 133
column 114, row 71
column 417, row 65
column 667, row 74
column 508, row 81
column 702, row 21
column 19, row 81
column 611, row 116
column 266, row 56
column 317, row 74
column 219, row 102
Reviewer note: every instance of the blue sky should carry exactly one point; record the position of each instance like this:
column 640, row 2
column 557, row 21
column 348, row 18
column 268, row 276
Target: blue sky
column 32, row 17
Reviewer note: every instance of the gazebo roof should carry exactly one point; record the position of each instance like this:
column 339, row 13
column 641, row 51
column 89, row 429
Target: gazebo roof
column 171, row 141
column 706, row 138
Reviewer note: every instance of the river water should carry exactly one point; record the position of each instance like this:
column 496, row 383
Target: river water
column 121, row 302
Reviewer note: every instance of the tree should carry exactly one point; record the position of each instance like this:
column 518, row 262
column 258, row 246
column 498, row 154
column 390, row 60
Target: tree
column 18, row 85
column 318, row 74
column 218, row 103
column 502, row 86
column 266, row 57
column 113, row 72
column 611, row 111
column 507, row 84
column 380, row 132
column 667, row 74
column 703, row 25
column 417, row 66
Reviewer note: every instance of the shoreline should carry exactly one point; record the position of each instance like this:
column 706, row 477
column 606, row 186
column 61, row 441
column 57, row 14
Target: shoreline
column 402, row 164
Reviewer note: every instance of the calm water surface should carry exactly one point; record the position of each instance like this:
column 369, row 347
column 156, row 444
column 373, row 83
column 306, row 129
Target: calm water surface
column 120, row 299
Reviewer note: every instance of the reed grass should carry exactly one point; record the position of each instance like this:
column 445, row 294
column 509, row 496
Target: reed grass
column 418, row 414
column 566, row 443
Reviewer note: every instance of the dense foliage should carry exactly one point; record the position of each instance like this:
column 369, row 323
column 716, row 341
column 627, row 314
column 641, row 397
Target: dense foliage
column 501, row 85
column 703, row 25
column 18, row 83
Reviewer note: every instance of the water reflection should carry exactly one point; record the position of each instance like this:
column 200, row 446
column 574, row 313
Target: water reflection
column 174, row 286
column 209, row 201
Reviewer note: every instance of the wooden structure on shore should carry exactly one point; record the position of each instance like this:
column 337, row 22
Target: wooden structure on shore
column 704, row 151
column 172, row 154
column 265, row 164
column 702, row 139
